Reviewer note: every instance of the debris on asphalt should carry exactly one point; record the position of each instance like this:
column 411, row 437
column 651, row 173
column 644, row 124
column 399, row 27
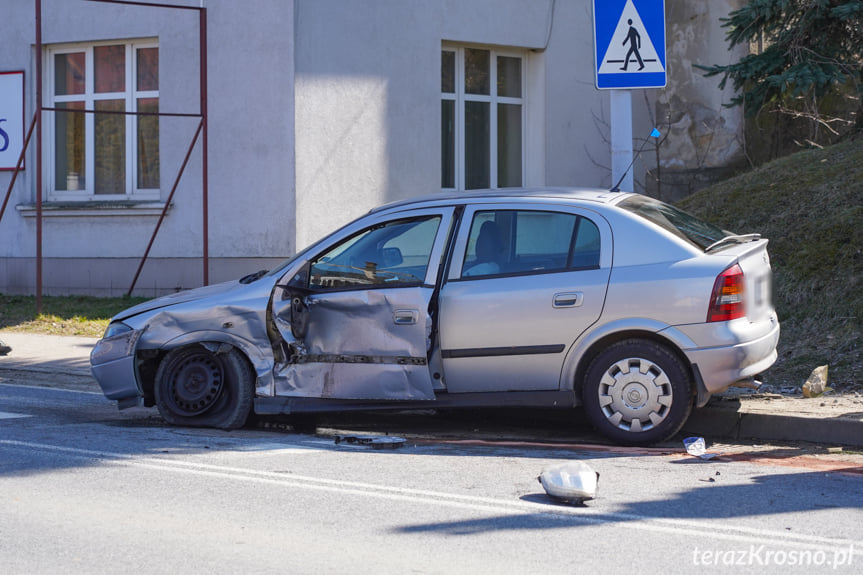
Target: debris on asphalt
column 373, row 441
column 573, row 482
column 816, row 385
column 696, row 447
column 4, row 349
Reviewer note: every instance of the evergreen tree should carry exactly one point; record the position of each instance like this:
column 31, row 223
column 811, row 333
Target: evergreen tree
column 805, row 50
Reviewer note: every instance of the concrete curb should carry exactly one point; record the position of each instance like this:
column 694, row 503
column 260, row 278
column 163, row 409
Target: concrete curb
column 832, row 421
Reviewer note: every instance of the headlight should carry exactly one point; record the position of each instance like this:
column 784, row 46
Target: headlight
column 116, row 328
column 119, row 342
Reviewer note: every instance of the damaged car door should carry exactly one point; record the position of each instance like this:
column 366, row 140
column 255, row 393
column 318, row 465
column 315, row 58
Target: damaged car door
column 354, row 320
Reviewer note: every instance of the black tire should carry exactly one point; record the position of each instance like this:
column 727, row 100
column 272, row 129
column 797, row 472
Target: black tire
column 637, row 392
column 198, row 388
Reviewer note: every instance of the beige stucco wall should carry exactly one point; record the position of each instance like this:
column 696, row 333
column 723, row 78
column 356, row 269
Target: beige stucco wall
column 703, row 137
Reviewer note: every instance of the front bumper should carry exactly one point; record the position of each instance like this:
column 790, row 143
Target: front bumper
column 112, row 363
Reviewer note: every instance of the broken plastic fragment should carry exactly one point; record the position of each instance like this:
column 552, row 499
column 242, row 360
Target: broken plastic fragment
column 695, row 446
column 572, row 482
column 374, row 441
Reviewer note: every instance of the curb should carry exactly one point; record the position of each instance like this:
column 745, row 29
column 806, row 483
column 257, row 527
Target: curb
column 736, row 422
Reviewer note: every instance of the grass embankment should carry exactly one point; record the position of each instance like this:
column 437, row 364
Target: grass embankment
column 810, row 206
column 73, row 315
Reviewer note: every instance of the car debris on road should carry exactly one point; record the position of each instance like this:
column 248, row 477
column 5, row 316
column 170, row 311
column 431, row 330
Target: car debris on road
column 572, row 482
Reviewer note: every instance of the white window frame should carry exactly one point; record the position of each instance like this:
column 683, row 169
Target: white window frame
column 460, row 97
column 130, row 95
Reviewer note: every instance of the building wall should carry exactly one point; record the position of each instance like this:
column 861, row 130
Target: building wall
column 250, row 137
column 368, row 98
column 318, row 111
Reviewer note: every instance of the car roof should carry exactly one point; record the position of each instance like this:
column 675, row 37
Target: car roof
column 507, row 195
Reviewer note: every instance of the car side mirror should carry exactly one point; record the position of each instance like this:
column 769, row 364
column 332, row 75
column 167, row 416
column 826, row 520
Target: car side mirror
column 391, row 257
column 297, row 290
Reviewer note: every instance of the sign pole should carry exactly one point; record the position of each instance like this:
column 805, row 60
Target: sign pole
column 621, row 138
column 629, row 46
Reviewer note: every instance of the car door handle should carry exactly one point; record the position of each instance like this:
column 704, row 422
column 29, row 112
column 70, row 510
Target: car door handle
column 570, row 299
column 406, row 316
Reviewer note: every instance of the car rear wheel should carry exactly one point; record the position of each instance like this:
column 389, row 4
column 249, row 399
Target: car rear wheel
column 202, row 388
column 637, row 392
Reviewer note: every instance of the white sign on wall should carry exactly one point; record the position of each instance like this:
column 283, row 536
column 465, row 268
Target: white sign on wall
column 11, row 118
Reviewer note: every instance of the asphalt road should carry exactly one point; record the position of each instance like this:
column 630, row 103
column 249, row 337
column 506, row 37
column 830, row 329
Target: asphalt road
column 88, row 489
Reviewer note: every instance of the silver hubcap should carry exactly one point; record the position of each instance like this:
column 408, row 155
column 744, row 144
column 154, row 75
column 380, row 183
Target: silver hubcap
column 635, row 394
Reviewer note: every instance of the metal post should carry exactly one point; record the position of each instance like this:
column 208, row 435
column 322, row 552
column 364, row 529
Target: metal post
column 165, row 209
column 38, row 157
column 621, row 138
column 204, row 147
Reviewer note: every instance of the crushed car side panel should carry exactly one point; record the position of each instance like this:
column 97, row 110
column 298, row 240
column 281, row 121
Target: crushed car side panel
column 369, row 344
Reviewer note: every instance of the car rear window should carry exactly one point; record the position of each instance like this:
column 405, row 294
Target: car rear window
column 675, row 220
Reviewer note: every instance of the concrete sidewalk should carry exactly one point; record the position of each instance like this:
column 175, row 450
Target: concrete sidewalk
column 831, row 420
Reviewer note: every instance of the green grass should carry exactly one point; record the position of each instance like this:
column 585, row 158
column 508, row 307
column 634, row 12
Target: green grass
column 810, row 206
column 72, row 315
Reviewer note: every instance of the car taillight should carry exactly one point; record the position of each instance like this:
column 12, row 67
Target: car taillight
column 726, row 302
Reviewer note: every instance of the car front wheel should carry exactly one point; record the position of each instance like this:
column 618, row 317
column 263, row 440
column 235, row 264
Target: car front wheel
column 200, row 388
column 637, row 392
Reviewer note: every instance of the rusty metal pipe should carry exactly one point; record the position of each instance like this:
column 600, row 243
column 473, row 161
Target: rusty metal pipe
column 167, row 205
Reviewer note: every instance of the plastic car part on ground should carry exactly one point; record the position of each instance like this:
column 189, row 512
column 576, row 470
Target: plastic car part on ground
column 696, row 447
column 374, row 441
column 573, row 482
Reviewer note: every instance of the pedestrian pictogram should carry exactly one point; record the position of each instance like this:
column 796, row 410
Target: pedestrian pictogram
column 629, row 38
column 634, row 40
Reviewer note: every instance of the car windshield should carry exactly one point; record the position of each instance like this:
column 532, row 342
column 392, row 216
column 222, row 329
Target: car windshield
column 675, row 220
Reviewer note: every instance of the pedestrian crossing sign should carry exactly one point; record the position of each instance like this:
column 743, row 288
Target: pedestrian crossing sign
column 629, row 43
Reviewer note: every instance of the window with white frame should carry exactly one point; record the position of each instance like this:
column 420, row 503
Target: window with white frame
column 482, row 117
column 100, row 150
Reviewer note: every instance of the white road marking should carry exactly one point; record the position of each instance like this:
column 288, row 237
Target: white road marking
column 689, row 528
column 7, row 415
column 269, row 448
column 46, row 388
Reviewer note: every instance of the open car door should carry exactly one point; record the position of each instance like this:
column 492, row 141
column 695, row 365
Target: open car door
column 355, row 321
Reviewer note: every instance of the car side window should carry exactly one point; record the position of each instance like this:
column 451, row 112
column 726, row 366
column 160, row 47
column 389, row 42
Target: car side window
column 391, row 254
column 585, row 248
column 504, row 242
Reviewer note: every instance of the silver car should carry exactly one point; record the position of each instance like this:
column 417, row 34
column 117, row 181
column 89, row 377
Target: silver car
column 535, row 298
